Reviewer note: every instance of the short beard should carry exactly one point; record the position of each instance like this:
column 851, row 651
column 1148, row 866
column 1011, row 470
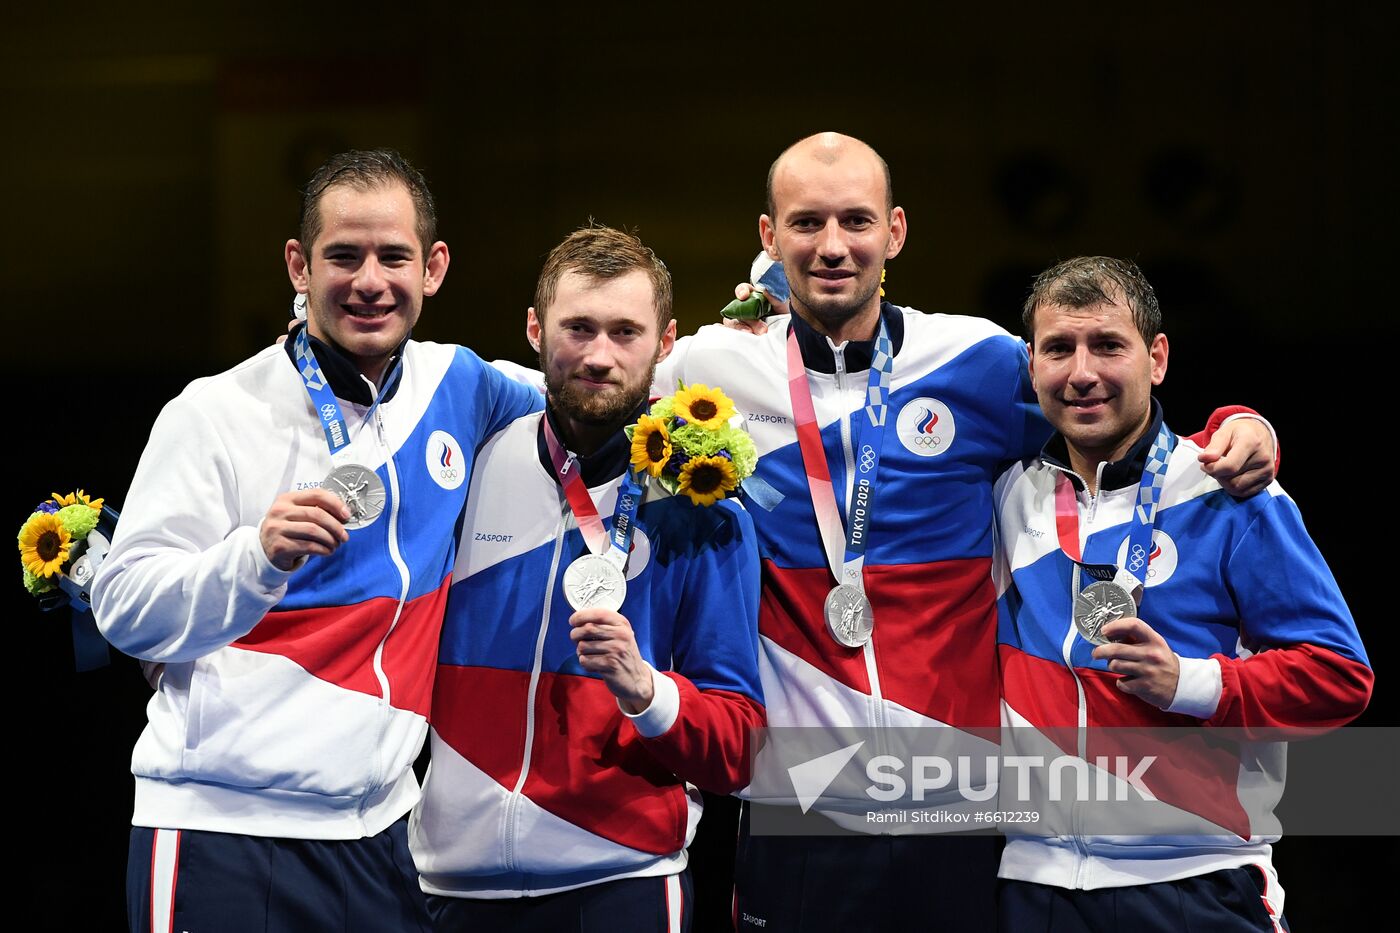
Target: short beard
column 832, row 316
column 601, row 409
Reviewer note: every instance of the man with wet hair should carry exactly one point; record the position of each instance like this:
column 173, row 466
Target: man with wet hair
column 1138, row 594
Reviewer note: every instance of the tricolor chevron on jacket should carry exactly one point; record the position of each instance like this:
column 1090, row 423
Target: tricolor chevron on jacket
column 539, row 782
column 961, row 409
column 293, row 704
column 1238, row 590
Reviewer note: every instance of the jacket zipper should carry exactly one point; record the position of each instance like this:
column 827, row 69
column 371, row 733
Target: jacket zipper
column 872, row 672
column 510, row 817
column 375, row 779
column 1066, row 649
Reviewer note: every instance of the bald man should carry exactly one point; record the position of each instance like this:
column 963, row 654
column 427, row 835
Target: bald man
column 882, row 431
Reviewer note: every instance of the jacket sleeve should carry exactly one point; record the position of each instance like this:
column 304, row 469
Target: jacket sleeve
column 1028, row 430
column 1218, row 418
column 1305, row 666
column 184, row 577
column 505, row 394
column 521, row 374
column 701, row 722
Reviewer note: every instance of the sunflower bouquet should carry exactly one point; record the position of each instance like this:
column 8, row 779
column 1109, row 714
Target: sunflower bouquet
column 689, row 445
column 61, row 545
column 53, row 538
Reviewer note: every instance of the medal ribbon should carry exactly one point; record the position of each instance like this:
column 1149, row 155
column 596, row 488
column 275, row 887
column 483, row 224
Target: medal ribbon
column 323, row 400
column 614, row 547
column 1067, row 516
column 1154, row 475
column 868, row 442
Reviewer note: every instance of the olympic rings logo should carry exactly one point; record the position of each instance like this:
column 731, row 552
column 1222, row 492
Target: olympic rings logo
column 626, row 503
column 927, row 440
column 448, row 475
column 328, row 411
column 1137, row 558
column 867, row 458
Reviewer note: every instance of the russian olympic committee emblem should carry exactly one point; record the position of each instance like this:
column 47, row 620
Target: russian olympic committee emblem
column 926, row 427
column 444, row 460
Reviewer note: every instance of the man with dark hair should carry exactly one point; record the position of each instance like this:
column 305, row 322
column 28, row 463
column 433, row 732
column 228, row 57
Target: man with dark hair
column 283, row 557
column 882, row 431
column 576, row 710
column 365, row 170
column 1137, row 593
column 1087, row 281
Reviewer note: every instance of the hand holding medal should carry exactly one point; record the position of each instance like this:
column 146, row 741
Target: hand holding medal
column 301, row 524
column 607, row 647
column 1149, row 666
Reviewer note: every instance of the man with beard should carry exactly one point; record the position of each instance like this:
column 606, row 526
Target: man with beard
column 283, row 556
column 559, row 796
column 882, row 431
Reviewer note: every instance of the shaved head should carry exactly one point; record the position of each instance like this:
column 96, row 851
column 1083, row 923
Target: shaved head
column 827, row 149
column 833, row 225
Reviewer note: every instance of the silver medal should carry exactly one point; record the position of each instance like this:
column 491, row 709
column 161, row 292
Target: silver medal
column 1099, row 604
column 594, row 582
column 362, row 491
column 848, row 616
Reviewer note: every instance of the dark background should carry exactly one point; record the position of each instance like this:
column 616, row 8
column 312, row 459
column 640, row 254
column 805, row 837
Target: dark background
column 151, row 162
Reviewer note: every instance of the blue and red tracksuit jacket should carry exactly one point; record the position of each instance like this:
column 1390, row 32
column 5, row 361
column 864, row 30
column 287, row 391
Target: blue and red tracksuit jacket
column 539, row 781
column 1240, row 593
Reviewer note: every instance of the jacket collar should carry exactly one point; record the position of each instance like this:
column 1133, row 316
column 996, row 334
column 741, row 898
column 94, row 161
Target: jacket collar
column 605, row 463
column 818, row 355
column 342, row 374
column 1118, row 474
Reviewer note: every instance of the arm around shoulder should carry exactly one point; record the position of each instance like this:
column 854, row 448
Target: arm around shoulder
column 507, row 391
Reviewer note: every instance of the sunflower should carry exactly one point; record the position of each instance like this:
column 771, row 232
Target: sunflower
column 651, row 445
column 706, row 479
column 43, row 544
column 78, row 498
column 703, row 406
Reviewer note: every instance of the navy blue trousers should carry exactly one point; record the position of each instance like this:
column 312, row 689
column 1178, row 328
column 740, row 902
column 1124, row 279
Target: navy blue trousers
column 848, row 884
column 631, row 905
column 204, row 882
column 1228, row 901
